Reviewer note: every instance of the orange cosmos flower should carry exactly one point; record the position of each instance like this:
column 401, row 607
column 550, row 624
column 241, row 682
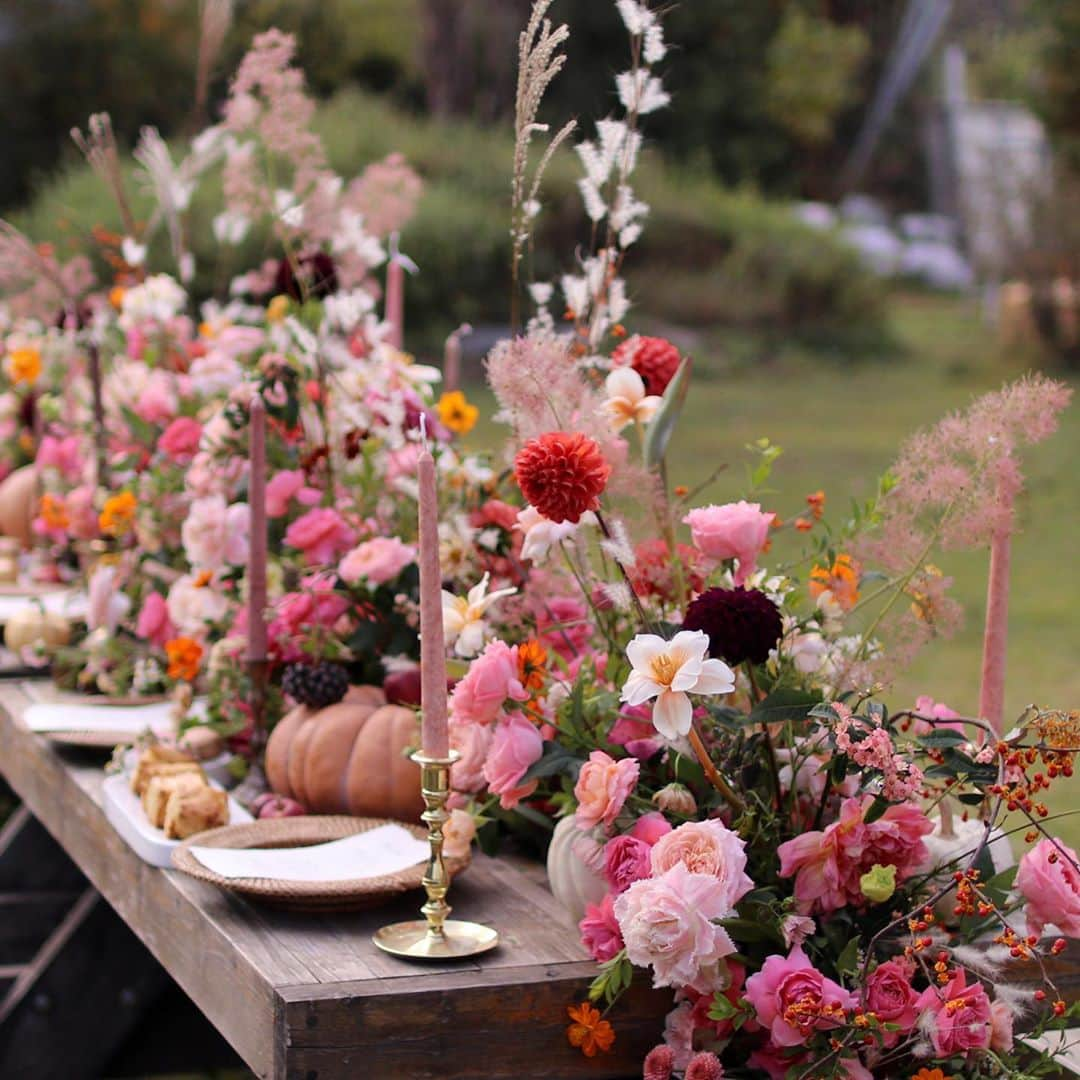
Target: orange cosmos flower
column 456, row 413
column 53, row 512
column 184, row 655
column 816, row 502
column 532, row 662
column 841, row 580
column 118, row 514
column 24, row 365
column 588, row 1032
column 930, row 1074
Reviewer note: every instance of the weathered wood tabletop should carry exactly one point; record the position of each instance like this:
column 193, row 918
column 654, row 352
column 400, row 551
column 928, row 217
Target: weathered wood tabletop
column 308, row 997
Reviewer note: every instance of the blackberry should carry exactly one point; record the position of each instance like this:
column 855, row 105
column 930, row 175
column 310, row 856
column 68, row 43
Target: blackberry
column 315, row 685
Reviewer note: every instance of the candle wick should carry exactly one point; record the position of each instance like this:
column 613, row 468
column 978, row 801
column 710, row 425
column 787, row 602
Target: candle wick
column 423, row 432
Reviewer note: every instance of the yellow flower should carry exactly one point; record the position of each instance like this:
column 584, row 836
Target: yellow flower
column 456, row 413
column 277, row 309
column 118, row 514
column 24, row 365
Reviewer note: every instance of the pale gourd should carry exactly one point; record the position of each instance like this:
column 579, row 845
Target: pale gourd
column 31, row 627
column 349, row 758
column 573, row 862
column 18, row 505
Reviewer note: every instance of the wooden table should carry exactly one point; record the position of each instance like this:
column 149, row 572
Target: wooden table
column 309, row 997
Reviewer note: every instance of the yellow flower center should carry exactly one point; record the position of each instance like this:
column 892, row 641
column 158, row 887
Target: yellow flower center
column 664, row 669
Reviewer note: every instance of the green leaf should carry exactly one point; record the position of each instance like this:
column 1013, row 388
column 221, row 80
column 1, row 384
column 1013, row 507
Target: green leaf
column 848, row 961
column 556, row 760
column 877, row 809
column 784, row 704
column 662, row 426
column 941, row 738
column 720, row 1008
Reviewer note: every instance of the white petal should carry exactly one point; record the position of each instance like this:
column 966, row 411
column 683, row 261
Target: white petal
column 471, row 640
column 715, row 678
column 687, row 676
column 693, row 644
column 672, row 715
column 625, row 383
column 644, row 649
column 639, row 688
column 476, row 593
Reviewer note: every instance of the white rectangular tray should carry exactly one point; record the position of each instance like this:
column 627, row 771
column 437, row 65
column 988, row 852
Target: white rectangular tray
column 123, row 810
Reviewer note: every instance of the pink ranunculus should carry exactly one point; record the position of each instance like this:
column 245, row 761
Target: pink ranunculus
column 651, row 827
column 154, row 624
column 321, row 534
column 285, row 486
column 706, row 847
column 890, row 995
column 959, row 1016
column 670, row 923
column 472, row 742
column 180, row 440
column 563, row 625
column 491, row 679
column 376, row 561
column 939, row 711
column 1049, row 883
column 734, row 531
column 1001, row 1027
column 516, row 746
column 64, row 455
column 828, row 864
column 626, row 860
column 600, row 930
column 602, row 787
column 787, row 981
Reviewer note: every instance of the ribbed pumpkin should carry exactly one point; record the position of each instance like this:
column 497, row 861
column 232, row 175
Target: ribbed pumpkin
column 572, row 880
column 18, row 505
column 348, row 758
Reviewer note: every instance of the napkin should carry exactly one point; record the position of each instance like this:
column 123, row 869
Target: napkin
column 383, row 850
column 123, row 719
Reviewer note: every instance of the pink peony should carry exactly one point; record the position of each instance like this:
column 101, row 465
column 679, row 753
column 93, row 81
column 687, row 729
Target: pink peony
column 492, row 678
column 828, row 865
column 733, row 531
column 602, row 788
column 650, row 827
column 154, row 624
column 180, row 440
column 958, row 1016
column 890, row 995
column 706, row 847
column 600, row 930
column 670, row 923
column 515, row 747
column 1048, row 881
column 472, row 742
column 376, row 561
column 321, row 534
column 793, row 999
column 626, row 860
column 285, row 486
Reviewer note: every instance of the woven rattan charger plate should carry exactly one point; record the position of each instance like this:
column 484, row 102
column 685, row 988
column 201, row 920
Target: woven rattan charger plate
column 303, row 832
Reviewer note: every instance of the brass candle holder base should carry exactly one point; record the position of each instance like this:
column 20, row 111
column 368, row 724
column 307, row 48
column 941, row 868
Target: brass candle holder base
column 435, row 937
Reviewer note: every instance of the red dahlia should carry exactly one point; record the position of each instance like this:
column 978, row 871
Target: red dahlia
column 655, row 359
column 562, row 474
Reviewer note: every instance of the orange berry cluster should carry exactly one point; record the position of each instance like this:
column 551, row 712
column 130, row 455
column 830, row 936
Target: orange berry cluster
column 1022, row 792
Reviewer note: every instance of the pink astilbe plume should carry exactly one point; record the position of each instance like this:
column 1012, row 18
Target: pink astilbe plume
column 386, row 193
column 34, row 283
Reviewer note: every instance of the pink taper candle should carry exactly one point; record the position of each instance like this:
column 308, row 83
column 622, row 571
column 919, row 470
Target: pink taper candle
column 257, row 553
column 451, row 370
column 996, row 633
column 434, row 736
column 395, row 296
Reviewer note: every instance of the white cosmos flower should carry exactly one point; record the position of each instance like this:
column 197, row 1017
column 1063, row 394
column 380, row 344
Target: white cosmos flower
column 463, row 617
column 541, row 534
column 627, row 401
column 669, row 671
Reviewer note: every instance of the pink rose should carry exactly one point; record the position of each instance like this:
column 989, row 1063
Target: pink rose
column 515, row 747
column 1047, row 881
column 603, row 785
column 626, row 860
column 472, row 742
column 376, row 561
column 1001, row 1027
column 890, row 995
column 154, row 624
column 787, row 981
column 828, row 865
column 321, row 534
column 600, row 930
column 64, row 455
column 733, row 531
column 650, row 827
column 706, row 847
column 285, row 486
column 180, row 440
column 491, row 679
column 670, row 923
column 316, row 606
column 960, row 1016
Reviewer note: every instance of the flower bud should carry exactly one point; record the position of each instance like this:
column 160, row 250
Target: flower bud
column 676, row 799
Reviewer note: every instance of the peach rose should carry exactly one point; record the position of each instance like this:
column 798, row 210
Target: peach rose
column 706, row 847
column 376, row 561
column 603, row 786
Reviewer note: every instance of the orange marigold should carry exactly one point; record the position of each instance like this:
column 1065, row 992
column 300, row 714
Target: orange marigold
column 841, row 580
column 588, row 1031
column 53, row 512
column 184, row 656
column 118, row 514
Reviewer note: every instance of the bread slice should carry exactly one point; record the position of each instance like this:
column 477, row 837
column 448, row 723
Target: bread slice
column 162, row 788
column 195, row 811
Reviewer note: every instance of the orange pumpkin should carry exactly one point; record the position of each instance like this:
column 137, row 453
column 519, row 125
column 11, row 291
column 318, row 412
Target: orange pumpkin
column 348, row 758
column 18, row 504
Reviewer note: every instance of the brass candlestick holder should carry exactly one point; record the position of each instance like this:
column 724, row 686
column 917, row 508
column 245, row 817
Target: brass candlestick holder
column 435, row 937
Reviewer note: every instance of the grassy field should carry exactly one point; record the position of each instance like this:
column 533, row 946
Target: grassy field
column 840, row 427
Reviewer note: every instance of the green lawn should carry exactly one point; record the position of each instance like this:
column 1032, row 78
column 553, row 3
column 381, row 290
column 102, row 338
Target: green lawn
column 840, row 426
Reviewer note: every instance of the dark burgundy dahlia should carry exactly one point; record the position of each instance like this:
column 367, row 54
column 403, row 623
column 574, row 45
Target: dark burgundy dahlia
column 310, row 276
column 742, row 624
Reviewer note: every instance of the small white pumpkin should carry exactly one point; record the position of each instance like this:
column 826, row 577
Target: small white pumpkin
column 573, row 867
column 31, row 626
